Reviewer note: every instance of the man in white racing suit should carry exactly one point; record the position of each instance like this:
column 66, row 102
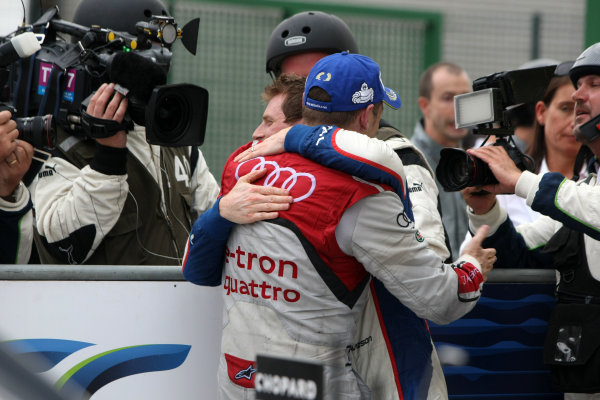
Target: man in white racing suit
column 304, row 274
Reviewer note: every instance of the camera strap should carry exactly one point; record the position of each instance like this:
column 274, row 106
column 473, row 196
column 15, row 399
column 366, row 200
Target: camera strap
column 99, row 128
column 53, row 93
column 23, row 78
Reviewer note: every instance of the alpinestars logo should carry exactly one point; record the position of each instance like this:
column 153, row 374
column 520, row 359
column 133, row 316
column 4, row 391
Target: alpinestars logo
column 240, row 371
column 246, row 373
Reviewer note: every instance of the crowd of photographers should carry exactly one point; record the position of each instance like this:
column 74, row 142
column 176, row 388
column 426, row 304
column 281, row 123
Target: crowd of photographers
column 117, row 199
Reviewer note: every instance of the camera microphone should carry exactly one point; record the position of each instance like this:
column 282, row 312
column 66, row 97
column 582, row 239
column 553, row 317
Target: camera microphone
column 20, row 46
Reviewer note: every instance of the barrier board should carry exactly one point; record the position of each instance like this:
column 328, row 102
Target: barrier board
column 118, row 339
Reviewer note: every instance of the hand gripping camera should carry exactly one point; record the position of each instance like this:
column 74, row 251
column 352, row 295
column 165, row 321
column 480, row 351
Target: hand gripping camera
column 59, row 78
column 40, row 131
column 489, row 110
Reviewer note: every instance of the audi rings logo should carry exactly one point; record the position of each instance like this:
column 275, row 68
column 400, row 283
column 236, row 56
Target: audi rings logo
column 300, row 184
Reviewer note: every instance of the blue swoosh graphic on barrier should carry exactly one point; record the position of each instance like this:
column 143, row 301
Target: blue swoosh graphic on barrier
column 88, row 376
column 53, row 351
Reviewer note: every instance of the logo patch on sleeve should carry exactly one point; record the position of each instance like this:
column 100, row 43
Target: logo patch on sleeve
column 240, row 371
column 419, row 237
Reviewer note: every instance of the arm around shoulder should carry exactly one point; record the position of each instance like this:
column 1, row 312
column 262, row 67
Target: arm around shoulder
column 376, row 232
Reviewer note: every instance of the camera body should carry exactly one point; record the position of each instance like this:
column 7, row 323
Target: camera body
column 490, row 110
column 59, row 78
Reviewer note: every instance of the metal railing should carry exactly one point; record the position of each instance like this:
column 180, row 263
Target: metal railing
column 173, row 273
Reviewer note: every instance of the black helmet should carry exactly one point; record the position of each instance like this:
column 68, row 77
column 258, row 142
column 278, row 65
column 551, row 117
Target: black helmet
column 305, row 32
column 588, row 63
column 118, row 15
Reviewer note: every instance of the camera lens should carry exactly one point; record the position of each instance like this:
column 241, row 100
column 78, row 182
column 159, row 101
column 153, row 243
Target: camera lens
column 40, row 132
column 176, row 115
column 455, row 169
column 458, row 170
column 172, row 112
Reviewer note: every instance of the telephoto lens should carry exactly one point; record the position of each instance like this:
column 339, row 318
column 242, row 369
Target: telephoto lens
column 39, row 131
column 458, row 170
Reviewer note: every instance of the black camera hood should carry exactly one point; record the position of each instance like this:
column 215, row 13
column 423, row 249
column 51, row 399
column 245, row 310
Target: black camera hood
column 518, row 86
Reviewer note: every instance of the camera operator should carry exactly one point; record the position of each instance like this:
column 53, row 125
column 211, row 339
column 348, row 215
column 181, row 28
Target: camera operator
column 16, row 224
column 567, row 237
column 119, row 199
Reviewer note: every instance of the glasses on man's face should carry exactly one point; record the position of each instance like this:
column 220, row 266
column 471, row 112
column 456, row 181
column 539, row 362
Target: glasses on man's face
column 563, row 68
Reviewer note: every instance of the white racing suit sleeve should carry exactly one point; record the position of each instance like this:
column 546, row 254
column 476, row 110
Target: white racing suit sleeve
column 76, row 208
column 563, row 202
column 575, row 204
column 389, row 246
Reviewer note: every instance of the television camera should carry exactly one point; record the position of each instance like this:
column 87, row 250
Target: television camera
column 60, row 78
column 490, row 110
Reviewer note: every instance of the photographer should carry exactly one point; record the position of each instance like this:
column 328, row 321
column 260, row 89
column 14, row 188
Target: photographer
column 567, row 237
column 118, row 199
column 16, row 224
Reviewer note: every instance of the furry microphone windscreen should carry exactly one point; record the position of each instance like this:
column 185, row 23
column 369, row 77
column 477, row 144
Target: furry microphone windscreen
column 137, row 73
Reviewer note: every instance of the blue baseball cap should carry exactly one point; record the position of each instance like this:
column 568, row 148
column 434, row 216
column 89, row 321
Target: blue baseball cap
column 352, row 80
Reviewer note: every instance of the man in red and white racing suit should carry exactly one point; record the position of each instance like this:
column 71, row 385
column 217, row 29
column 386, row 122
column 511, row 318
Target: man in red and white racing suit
column 295, row 286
